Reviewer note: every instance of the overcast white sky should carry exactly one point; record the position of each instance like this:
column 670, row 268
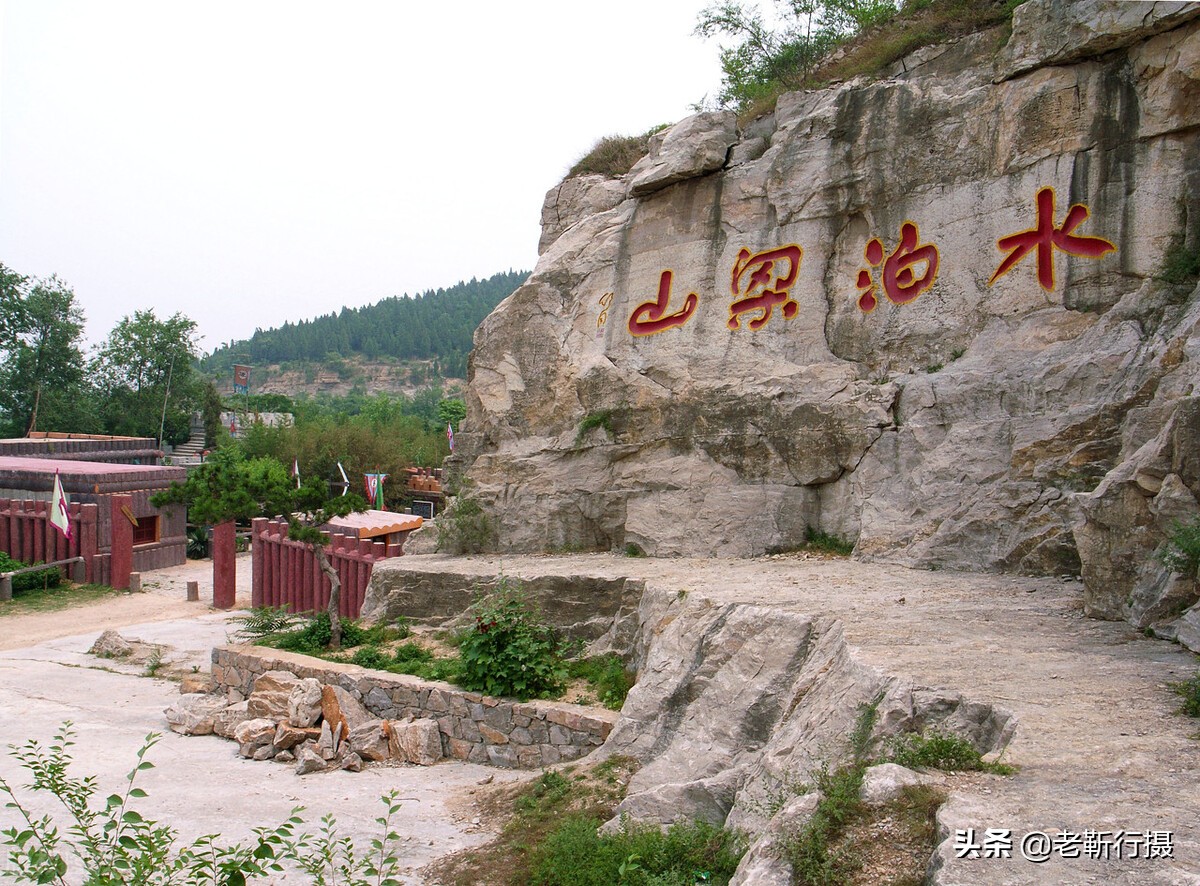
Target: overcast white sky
column 252, row 162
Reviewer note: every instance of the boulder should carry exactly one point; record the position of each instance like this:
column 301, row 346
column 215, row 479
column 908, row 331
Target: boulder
column 226, row 721
column 416, row 741
column 194, row 713
column 883, row 782
column 308, row 760
column 269, row 698
column 110, row 644
column 253, row 734
column 340, row 708
column 695, row 146
column 371, row 740
column 304, row 703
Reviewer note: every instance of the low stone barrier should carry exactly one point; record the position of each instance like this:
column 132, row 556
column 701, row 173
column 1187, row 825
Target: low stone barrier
column 475, row 728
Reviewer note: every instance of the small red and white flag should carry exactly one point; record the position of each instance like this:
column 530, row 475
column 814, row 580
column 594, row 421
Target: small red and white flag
column 60, row 505
column 450, row 435
column 296, row 471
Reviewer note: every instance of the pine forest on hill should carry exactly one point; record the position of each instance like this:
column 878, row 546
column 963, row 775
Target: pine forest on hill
column 436, row 326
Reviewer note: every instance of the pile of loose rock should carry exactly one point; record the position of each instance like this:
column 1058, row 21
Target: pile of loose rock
column 294, row 720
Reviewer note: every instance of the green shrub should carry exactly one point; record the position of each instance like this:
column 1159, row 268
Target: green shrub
column 313, row 638
column 197, row 543
column 111, row 842
column 829, row 544
column 941, row 750
column 370, row 657
column 263, row 621
column 464, row 527
column 607, row 676
column 601, row 418
column 1182, row 551
column 1189, row 691
column 1181, row 265
column 510, row 650
column 32, row 581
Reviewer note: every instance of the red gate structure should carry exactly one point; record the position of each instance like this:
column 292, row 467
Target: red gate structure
column 286, row 572
column 27, row 535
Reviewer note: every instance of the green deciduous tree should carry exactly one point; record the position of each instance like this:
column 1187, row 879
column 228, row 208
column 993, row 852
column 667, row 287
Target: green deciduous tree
column 41, row 374
column 768, row 57
column 143, row 364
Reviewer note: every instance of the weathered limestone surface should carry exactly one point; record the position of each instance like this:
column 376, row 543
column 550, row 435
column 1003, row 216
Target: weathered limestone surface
column 986, row 424
column 737, row 705
column 598, row 610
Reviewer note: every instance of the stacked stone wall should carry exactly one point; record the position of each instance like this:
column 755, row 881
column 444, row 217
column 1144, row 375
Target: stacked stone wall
column 474, row 728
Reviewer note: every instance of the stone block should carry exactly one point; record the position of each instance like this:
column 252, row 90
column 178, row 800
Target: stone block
column 492, row 736
column 521, row 736
column 559, row 736
column 499, row 717
column 458, row 749
column 502, row 755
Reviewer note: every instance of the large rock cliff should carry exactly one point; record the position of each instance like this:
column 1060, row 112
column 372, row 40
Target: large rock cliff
column 926, row 313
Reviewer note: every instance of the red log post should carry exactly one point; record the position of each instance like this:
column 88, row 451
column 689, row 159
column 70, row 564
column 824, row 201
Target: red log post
column 257, row 561
column 121, row 558
column 224, row 551
column 89, row 517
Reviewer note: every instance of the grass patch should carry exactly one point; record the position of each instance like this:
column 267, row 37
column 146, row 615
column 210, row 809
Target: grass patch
column 814, row 853
column 312, row 638
column 1189, row 691
column 54, row 599
column 607, row 676
column 601, row 418
column 940, row 750
column 614, row 155
column 1181, row 265
column 551, row 838
column 816, row 540
column 576, row 854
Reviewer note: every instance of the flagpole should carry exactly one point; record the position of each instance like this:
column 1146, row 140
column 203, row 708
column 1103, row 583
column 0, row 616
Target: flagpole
column 162, row 424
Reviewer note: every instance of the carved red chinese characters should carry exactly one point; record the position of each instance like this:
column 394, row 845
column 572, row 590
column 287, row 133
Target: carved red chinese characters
column 900, row 281
column 651, row 317
column 1045, row 237
column 761, row 281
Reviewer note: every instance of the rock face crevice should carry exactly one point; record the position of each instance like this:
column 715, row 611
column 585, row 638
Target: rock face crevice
column 989, row 421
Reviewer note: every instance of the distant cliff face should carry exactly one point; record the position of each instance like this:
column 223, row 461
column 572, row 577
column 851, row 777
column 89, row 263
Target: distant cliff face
column 922, row 313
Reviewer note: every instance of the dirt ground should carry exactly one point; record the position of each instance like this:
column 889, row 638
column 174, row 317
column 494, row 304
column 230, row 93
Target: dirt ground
column 198, row 784
column 1098, row 744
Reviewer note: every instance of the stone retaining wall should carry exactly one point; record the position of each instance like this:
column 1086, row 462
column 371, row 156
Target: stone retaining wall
column 475, row 728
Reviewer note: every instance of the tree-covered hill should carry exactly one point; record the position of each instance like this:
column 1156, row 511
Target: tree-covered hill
column 435, row 325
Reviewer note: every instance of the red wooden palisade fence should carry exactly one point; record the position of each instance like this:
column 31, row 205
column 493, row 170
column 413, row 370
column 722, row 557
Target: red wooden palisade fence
column 26, row 534
column 286, row 572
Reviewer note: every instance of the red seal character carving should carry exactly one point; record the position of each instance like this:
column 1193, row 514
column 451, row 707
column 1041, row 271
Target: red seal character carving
column 651, row 317
column 901, row 284
column 1045, row 237
column 761, row 281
